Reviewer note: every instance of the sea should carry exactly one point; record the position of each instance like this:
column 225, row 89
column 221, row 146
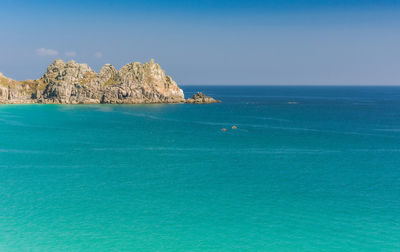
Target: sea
column 306, row 168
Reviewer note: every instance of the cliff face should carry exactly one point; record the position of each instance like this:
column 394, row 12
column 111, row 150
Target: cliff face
column 73, row 83
column 12, row 91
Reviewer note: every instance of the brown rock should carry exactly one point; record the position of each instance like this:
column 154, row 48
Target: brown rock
column 74, row 83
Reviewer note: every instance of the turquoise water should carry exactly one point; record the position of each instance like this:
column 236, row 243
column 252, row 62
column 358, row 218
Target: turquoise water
column 308, row 169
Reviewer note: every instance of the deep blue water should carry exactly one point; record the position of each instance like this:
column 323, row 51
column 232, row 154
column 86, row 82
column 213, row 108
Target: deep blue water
column 308, row 169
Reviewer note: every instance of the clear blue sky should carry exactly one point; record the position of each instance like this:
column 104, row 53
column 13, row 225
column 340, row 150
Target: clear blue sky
column 209, row 42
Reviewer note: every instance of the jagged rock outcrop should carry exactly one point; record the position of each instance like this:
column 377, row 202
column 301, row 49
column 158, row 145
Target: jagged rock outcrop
column 71, row 83
column 74, row 83
column 12, row 91
column 201, row 98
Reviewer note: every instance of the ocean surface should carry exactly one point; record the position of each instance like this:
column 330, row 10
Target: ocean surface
column 307, row 169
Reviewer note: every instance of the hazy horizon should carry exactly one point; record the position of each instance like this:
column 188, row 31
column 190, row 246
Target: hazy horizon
column 210, row 43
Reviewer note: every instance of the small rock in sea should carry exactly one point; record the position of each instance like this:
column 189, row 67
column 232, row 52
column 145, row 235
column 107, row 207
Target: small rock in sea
column 201, row 98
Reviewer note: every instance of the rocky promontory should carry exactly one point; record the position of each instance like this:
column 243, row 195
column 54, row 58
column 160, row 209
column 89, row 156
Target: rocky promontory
column 74, row 83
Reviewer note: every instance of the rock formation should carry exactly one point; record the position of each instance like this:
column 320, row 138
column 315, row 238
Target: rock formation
column 74, row 83
column 201, row 98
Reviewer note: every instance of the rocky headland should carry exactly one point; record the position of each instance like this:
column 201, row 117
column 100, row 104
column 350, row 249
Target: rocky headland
column 74, row 83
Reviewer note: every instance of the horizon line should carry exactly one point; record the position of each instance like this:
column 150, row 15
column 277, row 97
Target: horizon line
column 296, row 85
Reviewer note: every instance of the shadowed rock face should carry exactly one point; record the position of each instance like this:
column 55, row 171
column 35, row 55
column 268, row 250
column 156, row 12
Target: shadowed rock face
column 73, row 83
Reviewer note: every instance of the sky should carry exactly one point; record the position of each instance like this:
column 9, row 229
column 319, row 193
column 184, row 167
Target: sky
column 205, row 42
